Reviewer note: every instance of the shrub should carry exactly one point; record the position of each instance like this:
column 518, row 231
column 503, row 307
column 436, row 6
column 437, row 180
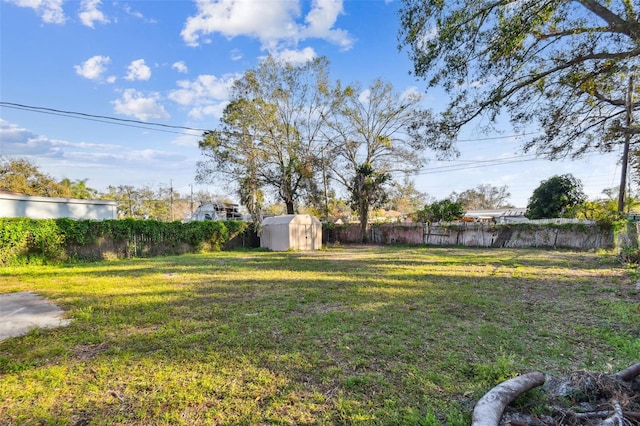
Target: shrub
column 24, row 240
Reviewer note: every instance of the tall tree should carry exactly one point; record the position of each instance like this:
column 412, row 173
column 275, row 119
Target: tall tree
column 233, row 154
column 142, row 202
column 483, row 197
column 270, row 133
column 556, row 197
column 368, row 191
column 128, row 199
column 374, row 134
column 79, row 189
column 562, row 63
column 440, row 211
column 23, row 176
column 161, row 203
column 405, row 198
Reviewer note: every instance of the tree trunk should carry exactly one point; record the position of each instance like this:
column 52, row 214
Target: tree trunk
column 290, row 209
column 363, row 233
column 364, row 219
column 628, row 374
column 488, row 410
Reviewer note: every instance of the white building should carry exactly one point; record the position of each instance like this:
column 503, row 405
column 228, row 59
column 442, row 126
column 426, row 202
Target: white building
column 506, row 215
column 216, row 211
column 13, row 205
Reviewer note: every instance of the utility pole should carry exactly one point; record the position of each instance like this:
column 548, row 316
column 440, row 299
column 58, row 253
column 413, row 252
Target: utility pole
column 627, row 141
column 326, row 188
column 191, row 199
column 171, row 197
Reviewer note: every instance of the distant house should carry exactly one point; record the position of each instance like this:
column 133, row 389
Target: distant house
column 16, row 205
column 216, row 211
column 508, row 215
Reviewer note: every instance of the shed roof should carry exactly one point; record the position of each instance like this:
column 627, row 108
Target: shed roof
column 300, row 219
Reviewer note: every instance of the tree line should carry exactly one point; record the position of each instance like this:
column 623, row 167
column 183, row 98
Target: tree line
column 558, row 196
column 161, row 202
column 289, row 130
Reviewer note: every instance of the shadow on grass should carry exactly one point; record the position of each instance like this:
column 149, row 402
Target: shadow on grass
column 375, row 335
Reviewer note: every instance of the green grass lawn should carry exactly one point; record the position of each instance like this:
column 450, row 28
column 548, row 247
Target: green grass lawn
column 375, row 335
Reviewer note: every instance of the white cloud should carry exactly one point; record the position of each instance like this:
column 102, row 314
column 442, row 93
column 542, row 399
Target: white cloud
column 15, row 140
column 147, row 155
column 411, row 93
column 296, row 56
column 90, row 14
column 180, row 66
column 50, row 11
column 264, row 20
column 136, row 104
column 207, row 94
column 136, row 14
column 187, row 140
column 236, row 55
column 131, row 158
column 93, row 68
column 104, row 164
column 127, row 8
column 274, row 23
column 138, row 70
column 364, row 96
column 428, row 34
column 216, row 111
column 321, row 20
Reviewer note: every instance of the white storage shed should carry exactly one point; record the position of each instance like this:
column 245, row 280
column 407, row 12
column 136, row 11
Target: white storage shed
column 291, row 232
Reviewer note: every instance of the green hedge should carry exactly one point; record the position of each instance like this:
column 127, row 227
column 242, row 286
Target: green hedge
column 24, row 240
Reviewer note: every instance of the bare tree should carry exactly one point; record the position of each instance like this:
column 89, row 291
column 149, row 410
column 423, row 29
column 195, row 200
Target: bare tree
column 270, row 136
column 374, row 133
column 483, row 196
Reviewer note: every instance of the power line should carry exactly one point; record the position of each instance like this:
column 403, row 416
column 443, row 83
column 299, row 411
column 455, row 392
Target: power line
column 479, row 164
column 491, row 138
column 149, row 125
column 473, row 164
column 101, row 118
column 490, row 160
column 463, row 165
column 108, row 122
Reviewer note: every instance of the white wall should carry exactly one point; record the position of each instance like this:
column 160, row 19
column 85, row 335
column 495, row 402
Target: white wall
column 52, row 208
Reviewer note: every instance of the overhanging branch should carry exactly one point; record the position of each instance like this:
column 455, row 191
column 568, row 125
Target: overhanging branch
column 616, row 23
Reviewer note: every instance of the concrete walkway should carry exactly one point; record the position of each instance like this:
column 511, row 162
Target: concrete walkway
column 21, row 312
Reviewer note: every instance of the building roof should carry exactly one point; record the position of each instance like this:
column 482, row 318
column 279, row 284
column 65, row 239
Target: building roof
column 493, row 213
column 302, row 219
column 6, row 195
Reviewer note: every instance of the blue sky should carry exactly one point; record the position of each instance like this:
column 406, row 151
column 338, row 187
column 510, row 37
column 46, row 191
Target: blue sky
column 173, row 62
